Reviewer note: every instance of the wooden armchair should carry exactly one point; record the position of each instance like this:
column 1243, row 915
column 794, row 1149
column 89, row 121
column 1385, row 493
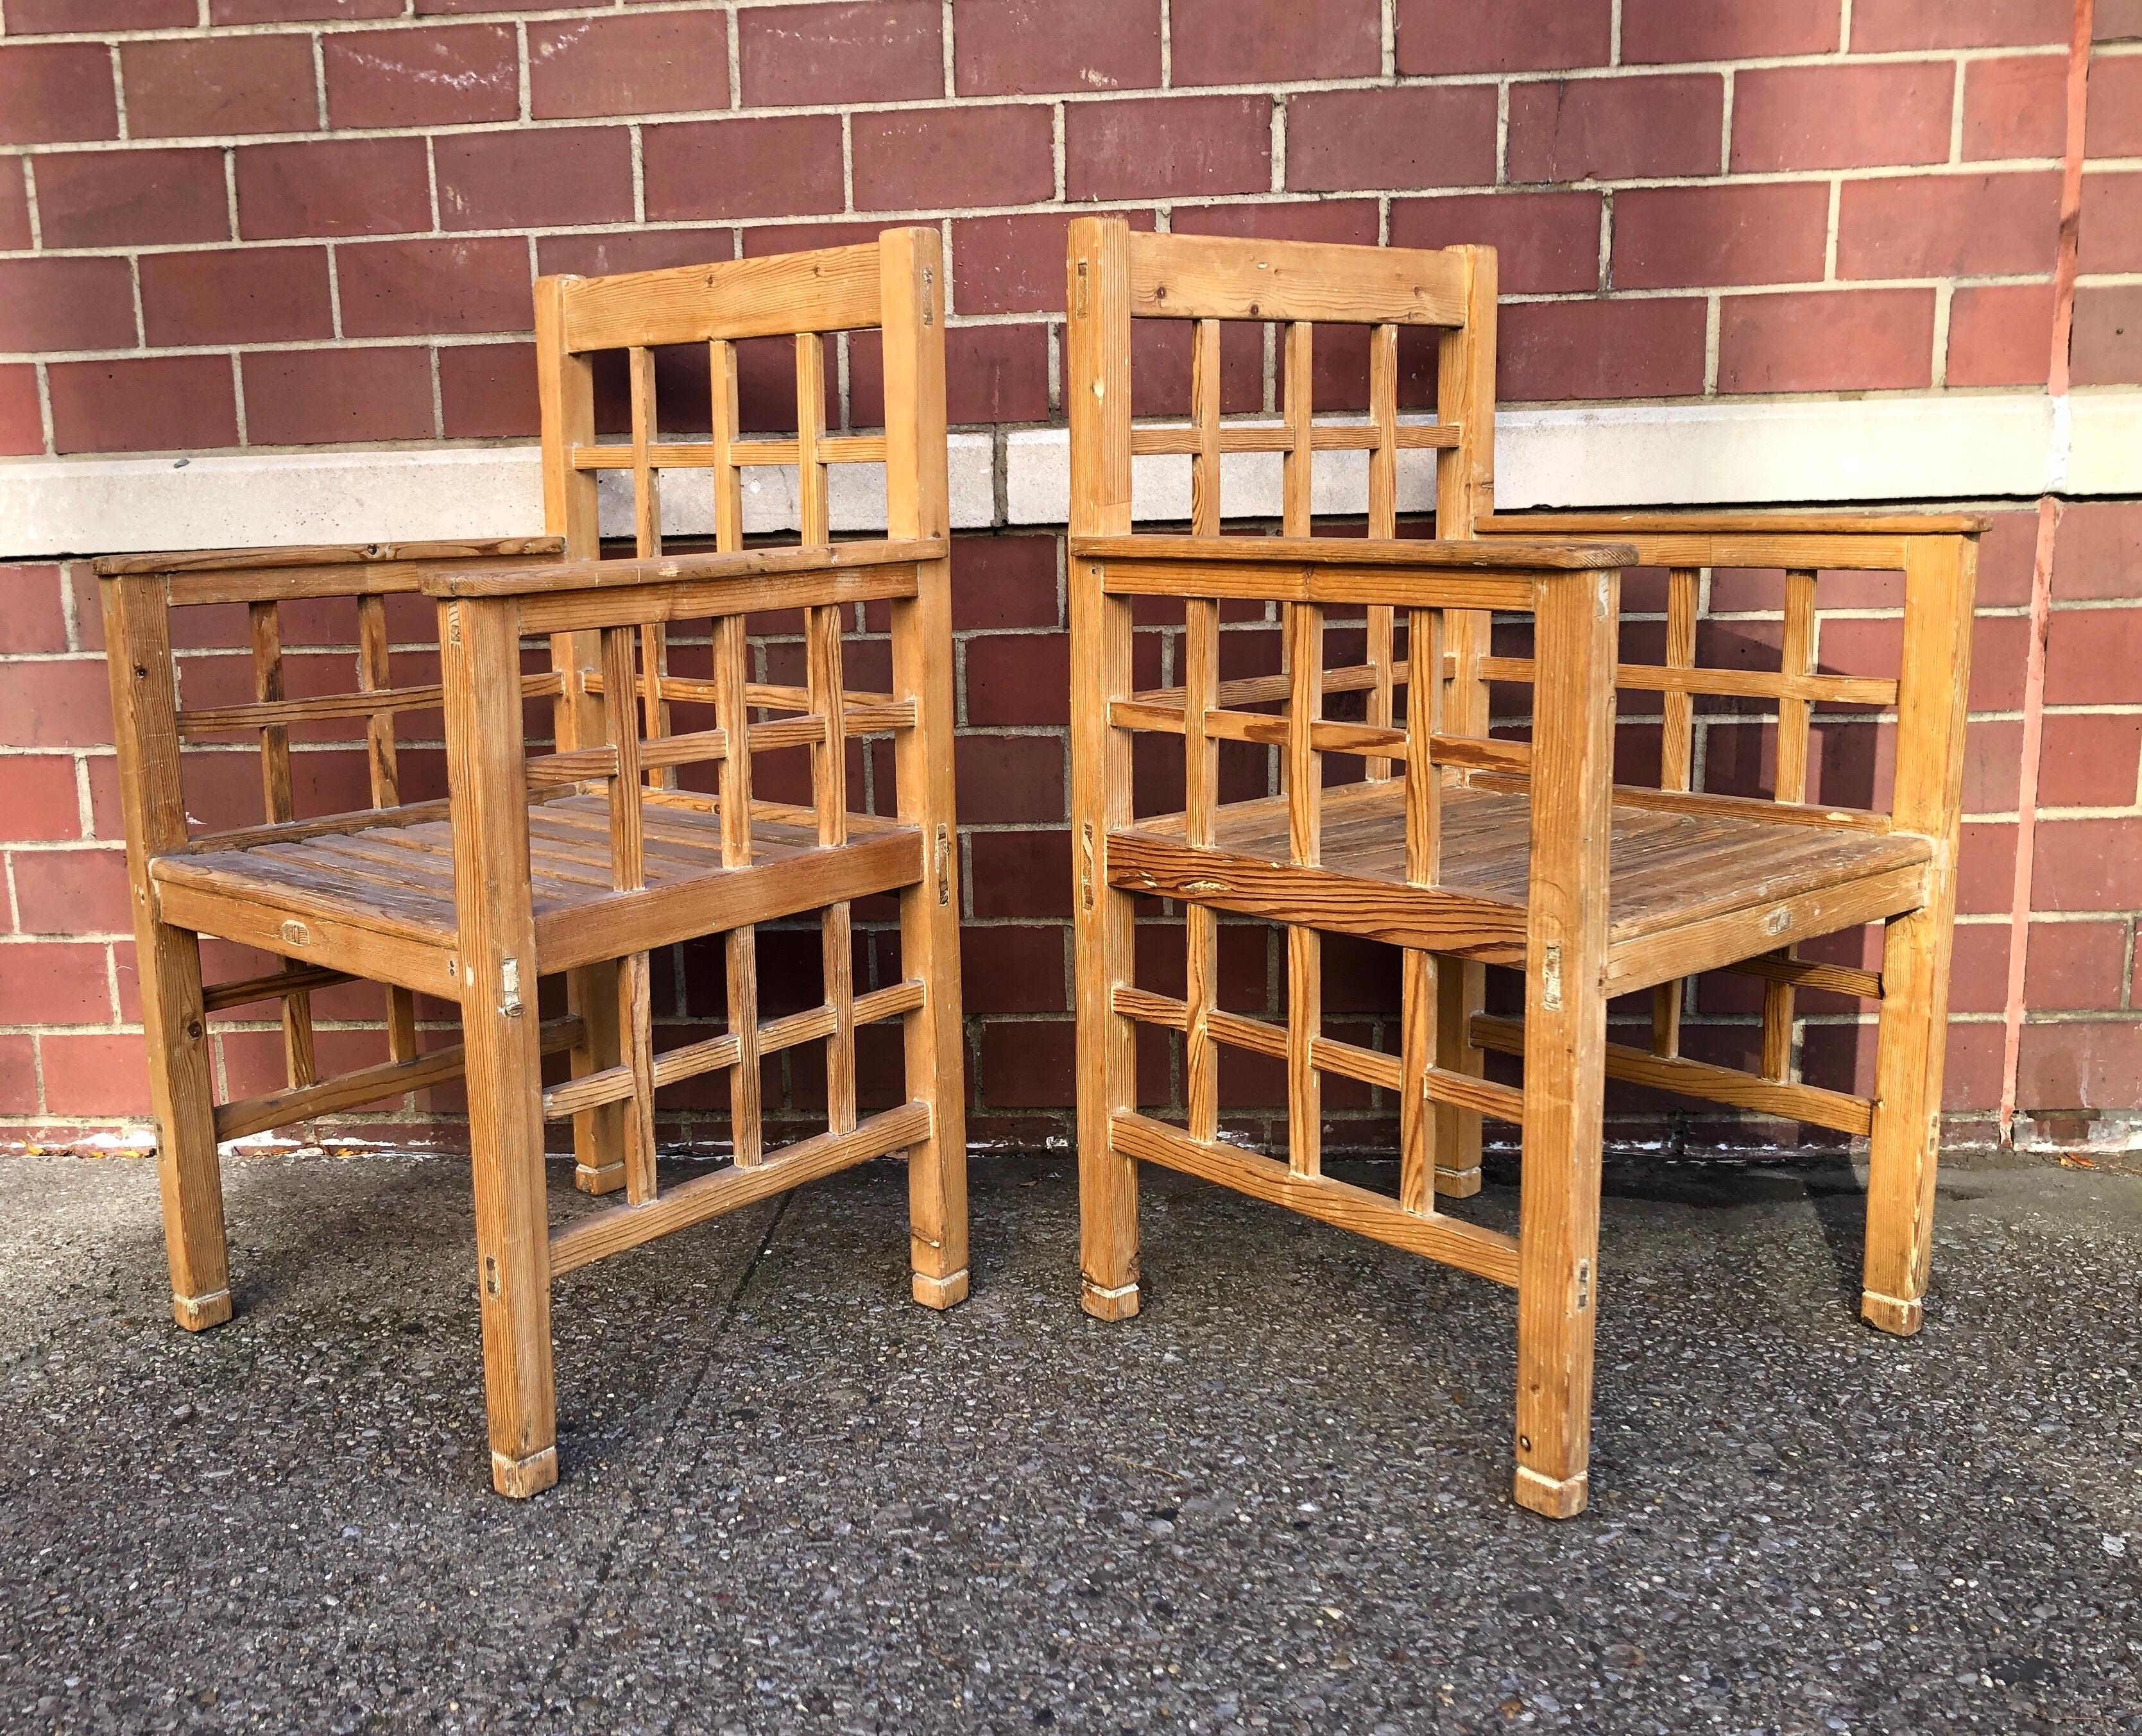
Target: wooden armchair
column 1469, row 840
column 583, row 860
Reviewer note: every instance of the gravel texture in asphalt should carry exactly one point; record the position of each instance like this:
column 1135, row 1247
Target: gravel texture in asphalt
column 1277, row 1501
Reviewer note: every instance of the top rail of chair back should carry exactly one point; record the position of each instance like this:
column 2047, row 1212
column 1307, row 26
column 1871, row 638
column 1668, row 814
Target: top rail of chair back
column 1176, row 277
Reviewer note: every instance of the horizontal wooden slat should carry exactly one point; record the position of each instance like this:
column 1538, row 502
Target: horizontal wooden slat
column 1416, row 554
column 1475, row 752
column 543, row 770
column 1728, row 1085
column 1470, row 1247
column 1809, row 974
column 390, row 1078
column 1225, row 278
column 1334, row 586
column 620, row 1227
column 215, row 720
column 218, row 996
column 700, row 454
column 336, row 569
column 709, row 567
column 863, row 713
column 1184, row 440
column 1705, row 804
column 1723, row 684
column 1784, row 521
column 830, row 290
column 695, row 600
column 692, row 746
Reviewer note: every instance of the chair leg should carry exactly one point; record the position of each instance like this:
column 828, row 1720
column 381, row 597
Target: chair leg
column 937, row 1168
column 188, row 1171
column 598, row 1133
column 1905, row 1141
column 1107, row 1179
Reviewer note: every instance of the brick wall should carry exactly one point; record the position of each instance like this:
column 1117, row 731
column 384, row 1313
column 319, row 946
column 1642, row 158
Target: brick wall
column 231, row 225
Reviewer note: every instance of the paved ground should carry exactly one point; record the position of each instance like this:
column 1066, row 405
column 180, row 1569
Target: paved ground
column 793, row 1500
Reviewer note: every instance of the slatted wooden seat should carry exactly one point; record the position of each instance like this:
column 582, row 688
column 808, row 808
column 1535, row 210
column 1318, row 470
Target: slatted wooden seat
column 1472, row 839
column 581, row 860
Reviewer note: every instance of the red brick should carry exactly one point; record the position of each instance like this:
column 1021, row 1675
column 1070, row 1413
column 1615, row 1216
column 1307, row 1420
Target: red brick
column 1865, row 340
column 1518, row 36
column 145, row 404
column 253, row 295
column 2098, row 552
column 1948, row 225
column 1019, row 873
column 14, row 203
column 1979, row 970
column 72, row 892
column 2075, row 967
column 1010, row 780
column 1018, row 678
column 2114, row 126
column 488, row 389
column 1003, row 581
column 126, row 198
column 94, row 1074
column 1180, row 146
column 1022, row 48
column 1012, row 264
column 313, row 398
column 993, row 373
column 55, row 17
column 333, row 187
column 57, row 983
column 21, row 423
column 64, row 304
column 429, row 78
column 285, row 12
column 2112, row 222
column 1598, row 129
column 1546, row 242
column 192, row 87
column 2087, row 1065
column 1842, row 117
column 2117, row 20
column 2089, row 760
column 2000, row 334
column 2107, row 335
column 2005, row 554
column 1654, row 31
column 650, row 63
column 2091, row 655
column 2015, row 106
column 1022, row 970
column 1879, row 26
column 1985, row 868
column 1225, row 41
column 1669, row 238
column 774, row 166
column 58, row 704
column 1028, row 1065
column 402, row 289
column 19, row 1075
column 43, row 801
column 426, row 8
column 1419, row 136
column 31, row 619
column 634, row 250
column 1547, row 351
column 2087, row 865
column 53, row 91
column 524, row 178
column 1350, row 222
column 910, row 159
column 879, row 52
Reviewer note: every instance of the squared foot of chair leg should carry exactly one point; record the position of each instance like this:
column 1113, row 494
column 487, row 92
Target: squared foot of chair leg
column 1458, row 1184
column 1555, row 1497
column 520, row 1478
column 1891, row 1314
column 942, row 1292
column 606, row 1180
column 197, row 1314
column 1119, row 1303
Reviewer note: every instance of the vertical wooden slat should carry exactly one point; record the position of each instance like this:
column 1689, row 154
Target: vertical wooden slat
column 1904, row 1143
column 628, row 855
column 181, row 1091
column 911, row 276
column 571, row 508
column 1795, row 717
column 728, row 480
column 1298, row 412
column 829, row 796
column 1096, row 379
column 1565, row 1036
column 479, row 665
column 810, row 502
column 647, row 541
column 1419, row 970
column 1676, row 769
column 266, row 620
column 1304, row 952
column 740, row 945
column 1383, row 522
column 1200, row 661
column 1205, row 414
column 374, row 671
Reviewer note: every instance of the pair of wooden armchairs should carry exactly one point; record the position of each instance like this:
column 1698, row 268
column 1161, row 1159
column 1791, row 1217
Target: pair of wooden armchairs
column 1479, row 833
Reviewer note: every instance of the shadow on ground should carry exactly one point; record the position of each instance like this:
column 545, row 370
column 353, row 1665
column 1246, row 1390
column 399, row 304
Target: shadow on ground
column 791, row 1501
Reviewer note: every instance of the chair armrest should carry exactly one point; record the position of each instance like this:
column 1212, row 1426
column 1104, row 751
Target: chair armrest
column 463, row 579
column 331, row 569
column 1785, row 522
column 1423, row 554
